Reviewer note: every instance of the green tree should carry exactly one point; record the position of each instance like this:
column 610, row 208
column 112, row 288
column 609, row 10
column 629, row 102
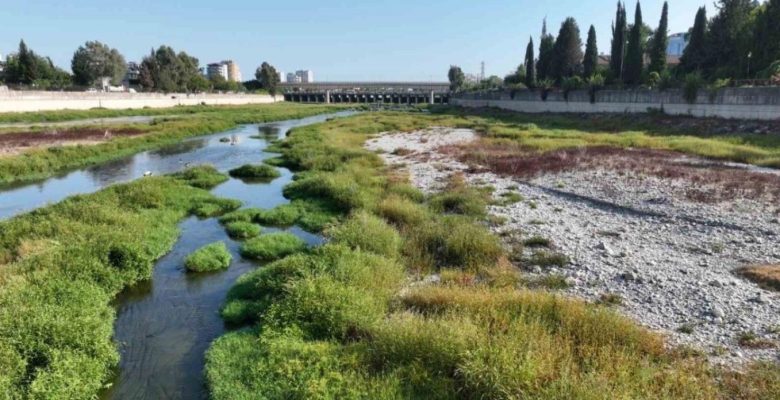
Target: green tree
column 694, row 56
column 567, row 53
column 766, row 42
column 660, row 43
column 591, row 60
column 95, row 60
column 530, row 67
column 544, row 67
column 729, row 38
column 619, row 29
column 457, row 78
column 268, row 78
column 165, row 71
column 635, row 52
column 26, row 65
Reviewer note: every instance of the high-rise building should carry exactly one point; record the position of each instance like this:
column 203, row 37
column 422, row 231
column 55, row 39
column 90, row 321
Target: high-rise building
column 305, row 76
column 214, row 70
column 293, row 78
column 234, row 73
column 226, row 69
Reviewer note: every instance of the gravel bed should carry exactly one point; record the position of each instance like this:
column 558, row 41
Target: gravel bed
column 669, row 260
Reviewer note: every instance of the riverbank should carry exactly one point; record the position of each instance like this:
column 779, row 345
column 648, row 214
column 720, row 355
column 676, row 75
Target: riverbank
column 461, row 321
column 40, row 162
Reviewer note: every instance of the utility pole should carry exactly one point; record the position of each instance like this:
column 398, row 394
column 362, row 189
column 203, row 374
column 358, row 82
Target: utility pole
column 482, row 73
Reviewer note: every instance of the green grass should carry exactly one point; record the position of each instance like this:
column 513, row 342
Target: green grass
column 242, row 230
column 60, row 268
column 40, row 163
column 260, row 172
column 368, row 232
column 202, row 176
column 342, row 321
column 272, row 246
column 209, row 258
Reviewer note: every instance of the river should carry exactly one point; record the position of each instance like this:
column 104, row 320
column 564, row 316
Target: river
column 165, row 325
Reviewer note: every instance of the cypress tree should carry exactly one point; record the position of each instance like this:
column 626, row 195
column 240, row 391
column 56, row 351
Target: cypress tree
column 616, row 63
column 636, row 50
column 544, row 64
column 766, row 40
column 694, row 57
column 28, row 69
column 591, row 54
column 567, row 53
column 660, row 43
column 530, row 69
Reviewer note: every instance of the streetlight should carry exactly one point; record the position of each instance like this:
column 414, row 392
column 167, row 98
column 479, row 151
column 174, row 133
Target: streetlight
column 750, row 55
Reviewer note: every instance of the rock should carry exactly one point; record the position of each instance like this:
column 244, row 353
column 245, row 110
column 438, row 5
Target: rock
column 717, row 312
column 603, row 246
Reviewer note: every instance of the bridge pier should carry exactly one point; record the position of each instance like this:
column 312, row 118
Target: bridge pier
column 327, row 97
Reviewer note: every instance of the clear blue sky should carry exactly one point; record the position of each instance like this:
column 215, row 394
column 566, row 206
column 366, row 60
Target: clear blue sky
column 337, row 39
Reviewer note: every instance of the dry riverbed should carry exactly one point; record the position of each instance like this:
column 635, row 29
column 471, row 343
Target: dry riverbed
column 661, row 238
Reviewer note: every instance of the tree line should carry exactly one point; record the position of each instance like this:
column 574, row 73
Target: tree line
column 741, row 41
column 163, row 70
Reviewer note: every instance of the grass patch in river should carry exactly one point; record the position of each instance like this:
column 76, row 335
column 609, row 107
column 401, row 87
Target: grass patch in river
column 209, row 258
column 260, row 172
column 242, row 230
column 272, row 246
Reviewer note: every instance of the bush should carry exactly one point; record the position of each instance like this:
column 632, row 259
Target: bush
column 452, row 242
column 367, row 232
column 261, row 172
column 400, row 211
column 326, row 309
column 272, row 246
column 693, row 82
column 571, row 83
column 242, row 230
column 282, row 365
column 212, row 257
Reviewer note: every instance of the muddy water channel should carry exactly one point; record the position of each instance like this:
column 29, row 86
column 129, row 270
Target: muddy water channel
column 164, row 326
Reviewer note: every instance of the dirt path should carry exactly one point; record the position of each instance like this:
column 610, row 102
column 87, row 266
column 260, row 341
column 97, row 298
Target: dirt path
column 635, row 236
column 14, row 143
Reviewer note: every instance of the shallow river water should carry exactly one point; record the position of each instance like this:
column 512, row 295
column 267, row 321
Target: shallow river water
column 164, row 326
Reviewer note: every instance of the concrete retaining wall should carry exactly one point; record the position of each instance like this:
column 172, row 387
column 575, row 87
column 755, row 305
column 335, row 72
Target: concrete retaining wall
column 734, row 103
column 20, row 101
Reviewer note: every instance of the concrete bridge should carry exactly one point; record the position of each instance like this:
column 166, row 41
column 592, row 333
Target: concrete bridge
column 367, row 92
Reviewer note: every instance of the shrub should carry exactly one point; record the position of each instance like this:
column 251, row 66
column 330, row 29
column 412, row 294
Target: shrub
column 401, row 211
column 282, row 365
column 212, row 257
column 261, row 172
column 367, row 232
column 255, row 291
column 571, row 83
column 272, row 246
column 693, row 82
column 242, row 230
column 545, row 258
column 453, row 242
column 537, row 241
column 203, row 176
column 326, row 309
